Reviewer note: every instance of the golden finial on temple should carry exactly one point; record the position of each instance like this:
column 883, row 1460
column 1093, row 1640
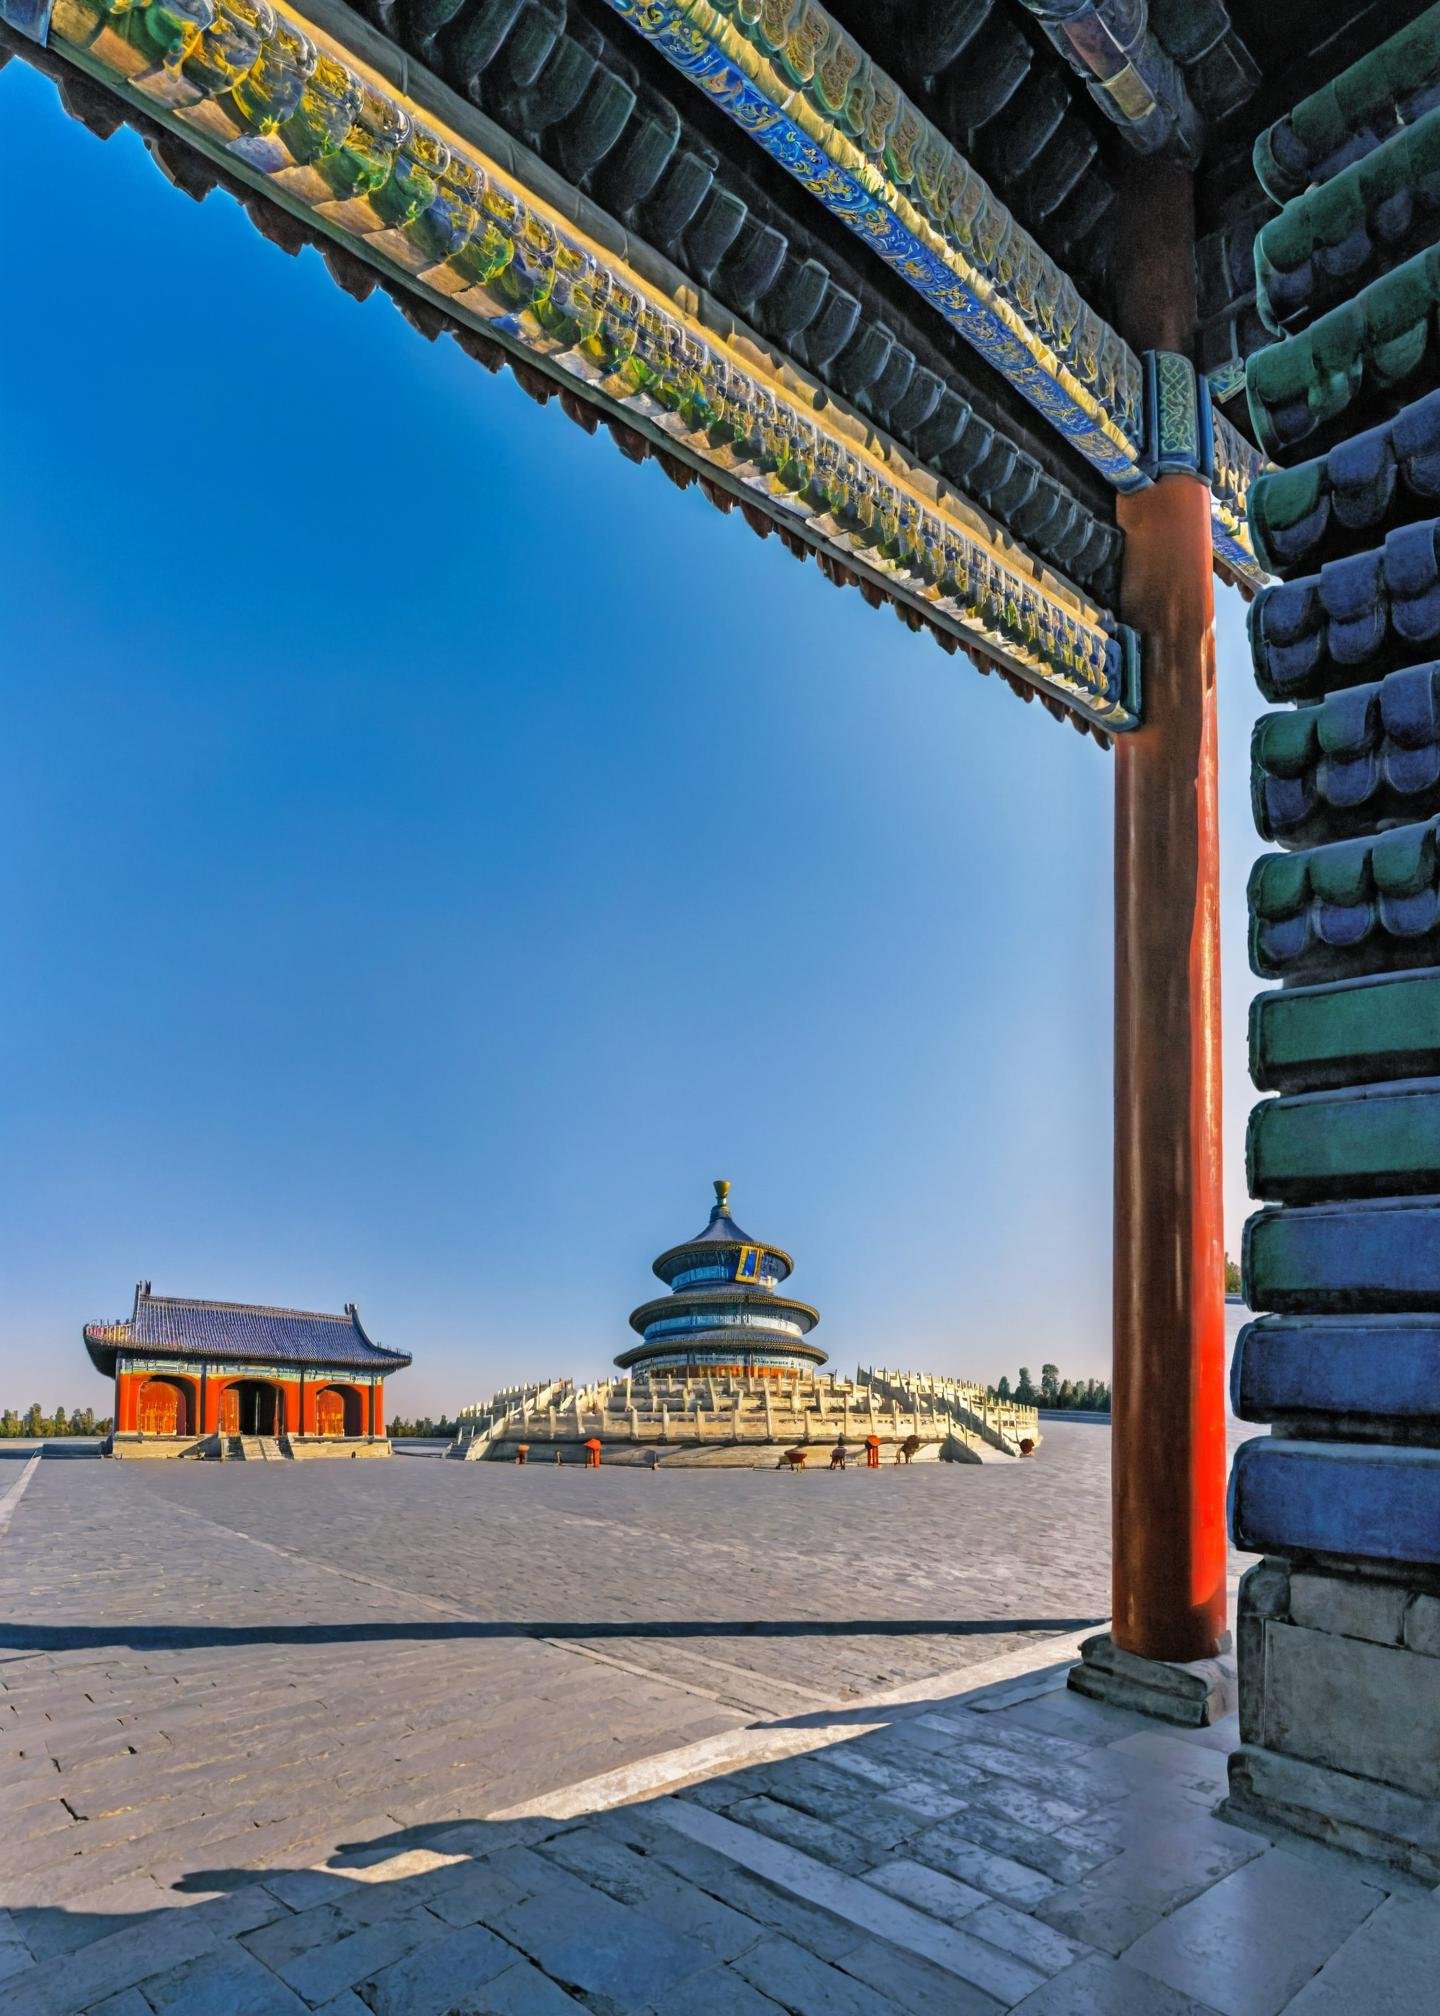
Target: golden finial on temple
column 722, row 1194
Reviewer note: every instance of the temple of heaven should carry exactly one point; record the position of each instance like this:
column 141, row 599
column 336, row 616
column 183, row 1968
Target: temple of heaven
column 723, row 1313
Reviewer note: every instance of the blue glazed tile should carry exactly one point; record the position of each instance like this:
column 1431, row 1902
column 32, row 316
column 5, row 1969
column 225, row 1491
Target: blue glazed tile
column 1362, row 1501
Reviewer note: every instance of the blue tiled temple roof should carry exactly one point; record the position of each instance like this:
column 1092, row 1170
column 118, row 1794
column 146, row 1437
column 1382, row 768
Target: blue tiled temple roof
column 190, row 1327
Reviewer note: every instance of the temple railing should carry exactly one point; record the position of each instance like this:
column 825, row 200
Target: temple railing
column 1003, row 1424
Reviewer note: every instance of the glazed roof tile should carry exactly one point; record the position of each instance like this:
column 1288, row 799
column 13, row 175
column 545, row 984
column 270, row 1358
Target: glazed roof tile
column 1054, row 519
column 748, row 1337
column 1343, row 625
column 1346, row 232
column 721, row 1230
column 1376, row 1365
column 1366, row 756
column 1365, row 486
column 647, row 160
column 721, row 1297
column 1355, row 906
column 1353, row 113
column 1370, row 348
column 192, row 1327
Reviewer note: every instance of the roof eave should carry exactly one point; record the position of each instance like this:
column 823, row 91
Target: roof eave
column 704, row 1247
column 797, row 1347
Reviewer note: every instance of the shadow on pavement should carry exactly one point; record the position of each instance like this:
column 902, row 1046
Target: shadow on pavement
column 16, row 1637
column 893, row 1868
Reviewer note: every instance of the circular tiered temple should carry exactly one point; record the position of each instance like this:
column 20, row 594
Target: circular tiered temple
column 723, row 1314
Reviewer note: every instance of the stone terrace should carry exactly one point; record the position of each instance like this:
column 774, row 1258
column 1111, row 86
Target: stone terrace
column 285, row 1740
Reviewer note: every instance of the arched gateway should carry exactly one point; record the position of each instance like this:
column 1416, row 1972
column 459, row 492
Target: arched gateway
column 235, row 1378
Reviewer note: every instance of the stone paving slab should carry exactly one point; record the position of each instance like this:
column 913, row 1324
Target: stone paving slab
column 307, row 1765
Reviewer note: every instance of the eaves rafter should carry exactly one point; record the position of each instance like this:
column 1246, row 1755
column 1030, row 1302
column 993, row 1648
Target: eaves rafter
column 340, row 139
column 807, row 92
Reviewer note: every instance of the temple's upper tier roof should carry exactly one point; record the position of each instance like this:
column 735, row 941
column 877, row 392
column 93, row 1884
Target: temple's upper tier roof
column 183, row 1326
column 723, row 1233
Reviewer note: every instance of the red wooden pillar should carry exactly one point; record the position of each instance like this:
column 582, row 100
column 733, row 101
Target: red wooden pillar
column 1168, row 1406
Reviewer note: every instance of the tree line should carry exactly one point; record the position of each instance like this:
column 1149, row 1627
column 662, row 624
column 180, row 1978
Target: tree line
column 423, row 1428
column 1091, row 1396
column 35, row 1423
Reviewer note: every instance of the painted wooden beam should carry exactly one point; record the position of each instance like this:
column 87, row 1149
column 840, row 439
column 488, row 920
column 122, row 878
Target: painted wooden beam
column 818, row 105
column 810, row 96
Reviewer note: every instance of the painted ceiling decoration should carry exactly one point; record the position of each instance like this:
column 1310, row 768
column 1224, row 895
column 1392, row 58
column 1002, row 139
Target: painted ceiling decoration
column 809, row 95
column 560, row 80
column 284, row 107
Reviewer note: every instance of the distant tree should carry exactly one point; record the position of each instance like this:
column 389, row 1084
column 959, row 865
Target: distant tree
column 62, row 1426
column 1003, row 1389
column 1232, row 1277
column 1024, row 1391
column 1066, row 1396
column 33, row 1418
column 1050, row 1384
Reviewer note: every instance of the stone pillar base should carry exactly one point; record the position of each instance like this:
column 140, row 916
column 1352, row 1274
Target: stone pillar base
column 1357, row 1814
column 1339, row 1705
column 1193, row 1694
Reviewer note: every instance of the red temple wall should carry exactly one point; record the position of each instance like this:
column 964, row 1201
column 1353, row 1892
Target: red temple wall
column 298, row 1404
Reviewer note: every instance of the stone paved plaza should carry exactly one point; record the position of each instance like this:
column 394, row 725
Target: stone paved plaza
column 419, row 1737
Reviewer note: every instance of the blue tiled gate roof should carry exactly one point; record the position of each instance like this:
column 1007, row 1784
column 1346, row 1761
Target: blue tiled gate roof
column 188, row 1327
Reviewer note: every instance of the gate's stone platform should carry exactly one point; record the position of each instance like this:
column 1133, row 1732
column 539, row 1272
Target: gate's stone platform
column 299, row 1740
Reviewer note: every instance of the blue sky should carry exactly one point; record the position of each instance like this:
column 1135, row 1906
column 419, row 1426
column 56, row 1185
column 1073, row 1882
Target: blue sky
column 431, row 849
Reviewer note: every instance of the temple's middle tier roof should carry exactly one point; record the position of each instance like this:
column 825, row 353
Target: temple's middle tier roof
column 719, row 1302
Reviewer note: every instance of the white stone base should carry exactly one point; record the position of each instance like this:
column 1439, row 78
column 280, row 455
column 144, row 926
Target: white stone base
column 156, row 1447
column 1193, row 1694
column 1339, row 1708
column 1359, row 1815
column 307, row 1448
column 711, row 1455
